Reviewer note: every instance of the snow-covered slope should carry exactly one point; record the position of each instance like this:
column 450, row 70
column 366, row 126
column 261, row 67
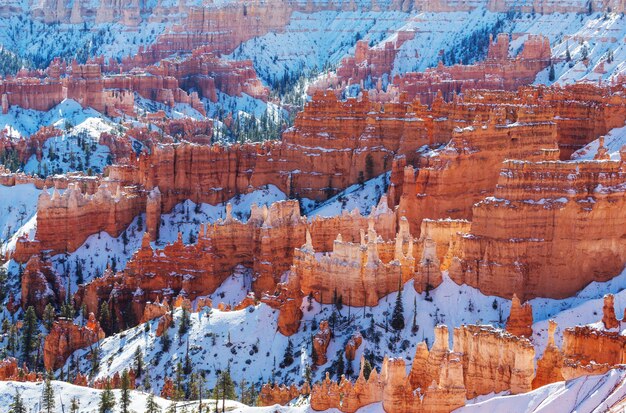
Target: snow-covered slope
column 247, row 339
column 613, row 142
column 88, row 398
column 587, row 394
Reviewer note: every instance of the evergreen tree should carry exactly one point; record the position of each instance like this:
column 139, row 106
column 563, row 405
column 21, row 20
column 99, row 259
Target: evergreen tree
column 3, row 284
column 29, row 335
column 166, row 341
column 225, row 387
column 568, row 55
column 48, row 316
column 107, row 400
column 172, row 408
column 341, row 365
column 551, row 75
column 184, row 322
column 288, row 357
column 17, row 405
column 125, row 392
column 138, row 362
column 367, row 369
column 47, row 398
column 151, row 405
column 74, row 405
column 397, row 318
column 414, row 327
column 179, row 381
column 105, row 317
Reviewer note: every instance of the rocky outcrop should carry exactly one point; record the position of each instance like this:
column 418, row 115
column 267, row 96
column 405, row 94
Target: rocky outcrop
column 272, row 394
column 357, row 273
column 484, row 360
column 520, row 321
column 321, row 340
column 494, row 361
column 608, row 312
column 521, row 239
column 352, row 346
column 550, row 365
column 65, row 337
column 41, row 285
column 497, row 72
column 11, row 371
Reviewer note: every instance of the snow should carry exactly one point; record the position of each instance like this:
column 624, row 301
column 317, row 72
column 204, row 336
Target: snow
column 583, row 308
column 613, row 142
column 248, row 340
column 63, row 153
column 363, row 197
column 587, row 394
column 315, row 40
column 88, row 398
column 18, row 205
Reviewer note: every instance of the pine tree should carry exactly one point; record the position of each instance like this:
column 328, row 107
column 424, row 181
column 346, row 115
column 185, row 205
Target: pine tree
column 151, row 405
column 48, row 316
column 3, row 284
column 166, row 341
column 107, row 400
column 551, row 75
column 74, row 405
column 341, row 365
column 47, row 398
column 414, row 327
column 125, row 392
column 397, row 318
column 172, row 408
column 184, row 322
column 138, row 362
column 179, row 381
column 29, row 334
column 288, row 357
column 17, row 405
column 367, row 369
column 105, row 317
column 568, row 55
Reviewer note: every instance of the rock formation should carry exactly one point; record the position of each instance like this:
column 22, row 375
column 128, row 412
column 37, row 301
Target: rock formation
column 272, row 394
column 41, row 285
column 608, row 312
column 65, row 337
column 520, row 321
column 520, row 240
column 321, row 340
column 484, row 360
column 550, row 365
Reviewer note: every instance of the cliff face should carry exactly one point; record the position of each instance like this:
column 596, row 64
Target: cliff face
column 521, row 238
column 494, row 361
column 40, row 285
column 65, row 337
column 449, row 183
column 484, row 360
column 497, row 72
column 132, row 13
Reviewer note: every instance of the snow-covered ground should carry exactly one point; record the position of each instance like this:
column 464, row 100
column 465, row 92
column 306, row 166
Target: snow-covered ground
column 587, row 394
column 363, row 197
column 315, row 40
column 590, row 394
column 76, row 150
column 88, row 398
column 613, row 142
column 248, row 340
column 18, row 205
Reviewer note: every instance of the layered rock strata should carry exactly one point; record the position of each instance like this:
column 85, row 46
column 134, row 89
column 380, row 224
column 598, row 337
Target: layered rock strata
column 521, row 239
